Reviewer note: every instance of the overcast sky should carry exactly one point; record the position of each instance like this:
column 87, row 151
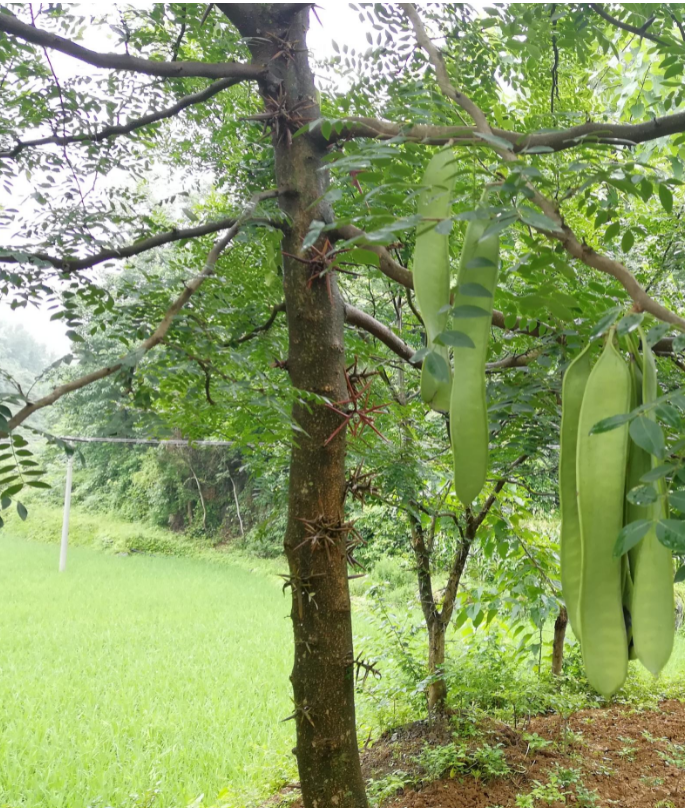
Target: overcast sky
column 338, row 21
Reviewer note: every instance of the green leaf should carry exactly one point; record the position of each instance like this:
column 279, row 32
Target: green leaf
column 21, row 510
column 456, row 339
column 658, row 472
column 607, row 424
column 313, row 233
column 539, row 221
column 437, row 367
column 558, row 309
column 500, row 142
column 420, row 355
column 676, row 499
column 670, row 415
column 605, row 322
column 11, row 491
column 656, row 333
column 643, row 495
column 666, row 198
column 537, row 150
column 362, row 256
column 646, row 190
column 680, row 575
column 671, row 533
column 466, row 312
column 444, row 227
column 5, row 502
column 473, row 290
column 629, row 323
column 630, row 535
column 496, row 226
column 679, row 343
column 648, row 435
column 627, row 241
column 38, row 484
column 612, row 231
column 510, row 319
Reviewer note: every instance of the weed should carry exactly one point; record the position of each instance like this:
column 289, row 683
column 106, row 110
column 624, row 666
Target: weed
column 652, row 782
column 535, row 742
column 628, row 752
column 484, row 763
column 380, row 790
column 546, row 793
column 674, row 756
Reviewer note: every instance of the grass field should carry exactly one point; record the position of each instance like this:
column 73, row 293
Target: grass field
column 161, row 682
column 127, row 675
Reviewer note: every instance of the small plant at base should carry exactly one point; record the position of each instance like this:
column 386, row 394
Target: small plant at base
column 535, row 742
column 546, row 793
column 484, row 763
column 675, row 756
column 380, row 790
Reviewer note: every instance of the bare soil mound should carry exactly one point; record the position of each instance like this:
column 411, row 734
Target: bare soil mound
column 611, row 757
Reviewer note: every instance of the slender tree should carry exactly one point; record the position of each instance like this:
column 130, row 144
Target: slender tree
column 460, row 103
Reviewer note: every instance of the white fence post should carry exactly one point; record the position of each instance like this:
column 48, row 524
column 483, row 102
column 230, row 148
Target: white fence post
column 65, row 521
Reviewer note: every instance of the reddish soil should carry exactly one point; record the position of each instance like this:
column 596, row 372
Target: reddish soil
column 616, row 754
column 617, row 758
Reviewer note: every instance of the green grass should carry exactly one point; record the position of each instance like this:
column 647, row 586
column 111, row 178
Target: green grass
column 129, row 674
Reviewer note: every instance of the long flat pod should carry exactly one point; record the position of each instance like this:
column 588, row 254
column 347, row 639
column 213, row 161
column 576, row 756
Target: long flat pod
column 471, row 315
column 572, row 392
column 639, row 463
column 601, row 469
column 653, row 597
column 432, row 270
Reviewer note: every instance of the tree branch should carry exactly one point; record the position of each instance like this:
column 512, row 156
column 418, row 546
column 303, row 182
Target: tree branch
column 260, row 329
column 159, row 333
column 124, row 129
column 642, row 301
column 641, row 32
column 396, row 272
column 366, row 322
column 617, row 134
column 138, row 247
column 118, row 61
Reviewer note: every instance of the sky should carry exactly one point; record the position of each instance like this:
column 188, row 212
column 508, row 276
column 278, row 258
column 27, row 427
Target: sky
column 338, row 21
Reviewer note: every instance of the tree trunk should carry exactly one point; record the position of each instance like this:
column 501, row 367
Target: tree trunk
column 558, row 644
column 437, row 689
column 316, row 535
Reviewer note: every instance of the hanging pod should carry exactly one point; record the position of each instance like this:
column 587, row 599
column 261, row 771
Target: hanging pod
column 431, row 272
column 653, row 608
column 639, row 463
column 601, row 479
column 572, row 392
column 471, row 318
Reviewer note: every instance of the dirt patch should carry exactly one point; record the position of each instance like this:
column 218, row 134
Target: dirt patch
column 611, row 757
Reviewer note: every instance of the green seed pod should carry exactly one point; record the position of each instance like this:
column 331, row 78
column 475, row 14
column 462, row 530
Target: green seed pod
column 472, row 317
column 432, row 271
column 572, row 392
column 653, row 596
column 601, row 477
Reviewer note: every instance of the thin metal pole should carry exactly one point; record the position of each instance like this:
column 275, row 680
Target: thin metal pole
column 65, row 521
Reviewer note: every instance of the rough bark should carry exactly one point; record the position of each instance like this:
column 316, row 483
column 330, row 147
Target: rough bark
column 558, row 644
column 316, row 536
column 437, row 689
